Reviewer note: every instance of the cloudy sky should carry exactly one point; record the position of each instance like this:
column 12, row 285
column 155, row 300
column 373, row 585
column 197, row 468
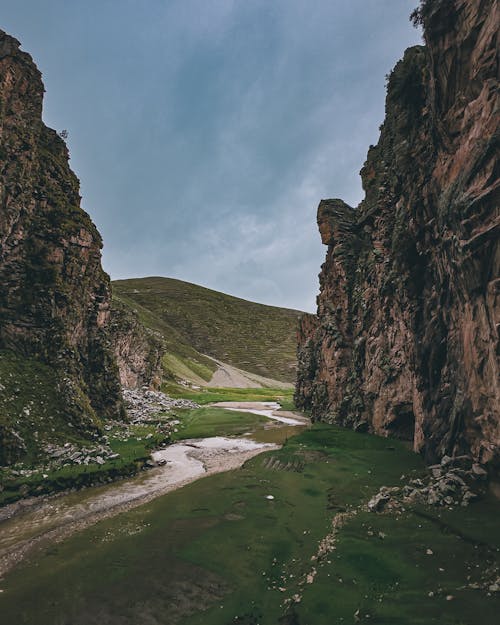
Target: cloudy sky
column 205, row 132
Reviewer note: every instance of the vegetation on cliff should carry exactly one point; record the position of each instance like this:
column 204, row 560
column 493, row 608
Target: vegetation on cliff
column 406, row 335
column 56, row 363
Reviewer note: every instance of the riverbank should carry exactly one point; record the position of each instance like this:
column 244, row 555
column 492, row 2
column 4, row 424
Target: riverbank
column 57, row 518
column 287, row 538
column 124, row 449
column 271, row 410
column 30, row 524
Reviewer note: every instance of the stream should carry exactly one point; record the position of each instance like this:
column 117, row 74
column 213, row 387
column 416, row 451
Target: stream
column 58, row 516
column 287, row 538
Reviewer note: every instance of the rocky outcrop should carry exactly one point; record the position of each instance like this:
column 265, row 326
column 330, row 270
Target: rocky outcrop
column 137, row 349
column 54, row 295
column 405, row 342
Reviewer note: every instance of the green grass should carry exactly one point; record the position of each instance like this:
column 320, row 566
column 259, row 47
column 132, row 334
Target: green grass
column 286, row 401
column 205, row 422
column 195, row 321
column 31, row 406
column 396, row 576
column 208, row 395
column 188, row 368
column 134, row 452
column 218, row 549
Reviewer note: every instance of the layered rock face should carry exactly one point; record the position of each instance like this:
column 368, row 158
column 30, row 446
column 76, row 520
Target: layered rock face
column 138, row 350
column 405, row 342
column 54, row 295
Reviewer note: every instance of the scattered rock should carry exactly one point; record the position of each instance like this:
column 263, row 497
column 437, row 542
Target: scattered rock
column 68, row 454
column 143, row 404
column 378, row 503
column 381, row 499
column 456, row 481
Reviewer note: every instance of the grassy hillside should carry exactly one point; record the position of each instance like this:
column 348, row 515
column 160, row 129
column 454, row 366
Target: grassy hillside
column 196, row 321
column 32, row 413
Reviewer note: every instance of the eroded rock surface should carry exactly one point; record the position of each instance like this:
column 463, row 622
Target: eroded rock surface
column 138, row 350
column 54, row 295
column 406, row 336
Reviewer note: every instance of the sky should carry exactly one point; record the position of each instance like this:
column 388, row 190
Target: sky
column 205, row 132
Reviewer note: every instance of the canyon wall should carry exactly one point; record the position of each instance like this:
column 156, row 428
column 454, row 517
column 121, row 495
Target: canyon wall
column 138, row 350
column 405, row 341
column 54, row 295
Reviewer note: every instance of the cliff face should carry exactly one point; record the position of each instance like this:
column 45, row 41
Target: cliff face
column 54, row 295
column 138, row 350
column 405, row 342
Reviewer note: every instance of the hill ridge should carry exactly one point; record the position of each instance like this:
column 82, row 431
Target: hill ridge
column 207, row 288
column 199, row 324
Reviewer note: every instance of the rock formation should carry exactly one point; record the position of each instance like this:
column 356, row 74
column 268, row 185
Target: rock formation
column 54, row 295
column 137, row 349
column 405, row 342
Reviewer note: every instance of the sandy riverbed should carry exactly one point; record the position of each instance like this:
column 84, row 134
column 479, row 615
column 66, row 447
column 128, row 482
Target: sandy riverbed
column 55, row 518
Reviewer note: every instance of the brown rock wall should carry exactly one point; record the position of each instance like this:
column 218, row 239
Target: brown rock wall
column 138, row 350
column 54, row 295
column 406, row 339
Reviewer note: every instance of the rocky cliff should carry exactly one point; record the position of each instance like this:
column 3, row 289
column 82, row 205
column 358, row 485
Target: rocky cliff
column 405, row 342
column 138, row 350
column 54, row 295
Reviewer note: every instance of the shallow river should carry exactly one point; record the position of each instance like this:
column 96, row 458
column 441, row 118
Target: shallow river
column 186, row 461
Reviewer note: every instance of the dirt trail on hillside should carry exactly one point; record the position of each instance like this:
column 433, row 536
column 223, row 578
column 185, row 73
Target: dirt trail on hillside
column 227, row 376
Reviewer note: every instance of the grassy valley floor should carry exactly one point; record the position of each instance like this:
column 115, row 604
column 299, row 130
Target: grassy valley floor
column 208, row 395
column 257, row 546
column 133, row 443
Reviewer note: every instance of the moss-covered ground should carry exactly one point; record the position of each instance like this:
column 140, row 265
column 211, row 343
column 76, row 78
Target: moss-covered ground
column 205, row 422
column 30, row 407
column 134, row 451
column 219, row 552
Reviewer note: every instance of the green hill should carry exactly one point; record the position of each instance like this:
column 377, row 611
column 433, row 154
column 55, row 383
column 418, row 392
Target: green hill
column 199, row 324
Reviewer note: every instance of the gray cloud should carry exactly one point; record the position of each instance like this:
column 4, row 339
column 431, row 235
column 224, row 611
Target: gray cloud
column 205, row 133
